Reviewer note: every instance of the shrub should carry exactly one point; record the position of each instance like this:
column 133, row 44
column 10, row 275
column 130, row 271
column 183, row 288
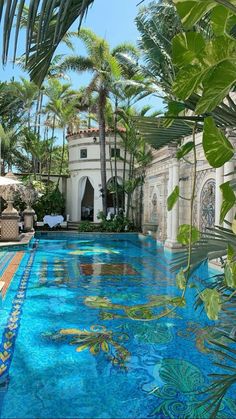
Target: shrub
column 52, row 202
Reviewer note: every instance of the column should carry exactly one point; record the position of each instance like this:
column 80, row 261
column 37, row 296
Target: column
column 218, row 197
column 228, row 168
column 175, row 210
column 169, row 215
column 173, row 215
column 74, row 197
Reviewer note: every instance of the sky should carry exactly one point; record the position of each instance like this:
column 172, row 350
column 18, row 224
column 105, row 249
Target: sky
column 113, row 20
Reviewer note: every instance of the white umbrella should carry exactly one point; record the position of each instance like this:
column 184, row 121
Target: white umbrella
column 4, row 181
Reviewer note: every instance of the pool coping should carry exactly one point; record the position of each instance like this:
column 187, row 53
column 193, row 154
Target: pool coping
column 24, row 240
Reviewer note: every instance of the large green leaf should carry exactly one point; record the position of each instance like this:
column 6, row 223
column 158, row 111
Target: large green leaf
column 184, row 150
column 217, row 85
column 230, row 274
column 191, row 11
column 212, row 302
column 188, row 79
column 217, row 148
column 187, row 47
column 173, row 198
column 222, row 20
column 229, row 200
column 184, row 234
column 180, row 279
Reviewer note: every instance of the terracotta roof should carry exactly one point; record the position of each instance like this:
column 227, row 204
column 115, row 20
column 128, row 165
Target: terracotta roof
column 91, row 131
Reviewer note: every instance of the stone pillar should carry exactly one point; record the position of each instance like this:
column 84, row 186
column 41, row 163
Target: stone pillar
column 29, row 214
column 74, row 197
column 228, row 168
column 218, row 196
column 169, row 215
column 9, row 224
column 175, row 210
column 173, row 215
column 97, row 201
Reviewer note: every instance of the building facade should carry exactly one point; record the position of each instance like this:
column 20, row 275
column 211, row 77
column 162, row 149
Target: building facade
column 165, row 173
column 84, row 190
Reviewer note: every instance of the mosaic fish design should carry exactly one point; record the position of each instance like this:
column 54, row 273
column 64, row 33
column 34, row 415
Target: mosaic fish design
column 142, row 312
column 97, row 339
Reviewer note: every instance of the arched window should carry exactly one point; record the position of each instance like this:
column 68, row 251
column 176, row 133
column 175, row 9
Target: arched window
column 207, row 205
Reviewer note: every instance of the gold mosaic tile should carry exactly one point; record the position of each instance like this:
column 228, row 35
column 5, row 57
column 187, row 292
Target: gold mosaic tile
column 107, row 269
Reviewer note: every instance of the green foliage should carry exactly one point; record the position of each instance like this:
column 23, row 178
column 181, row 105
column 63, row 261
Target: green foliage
column 229, row 200
column 173, row 198
column 52, row 202
column 181, row 280
column 192, row 11
column 184, row 234
column 86, row 226
column 218, row 149
column 212, row 302
column 201, row 64
column 116, row 225
column 184, row 150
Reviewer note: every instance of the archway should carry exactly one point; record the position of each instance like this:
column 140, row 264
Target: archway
column 112, row 195
column 87, row 201
column 207, row 205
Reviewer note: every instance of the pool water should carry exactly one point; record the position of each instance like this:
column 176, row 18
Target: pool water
column 80, row 339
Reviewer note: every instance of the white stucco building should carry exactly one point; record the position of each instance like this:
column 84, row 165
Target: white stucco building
column 165, row 173
column 84, row 195
column 84, row 199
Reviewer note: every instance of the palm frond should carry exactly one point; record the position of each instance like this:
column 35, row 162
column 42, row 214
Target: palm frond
column 77, row 63
column 54, row 18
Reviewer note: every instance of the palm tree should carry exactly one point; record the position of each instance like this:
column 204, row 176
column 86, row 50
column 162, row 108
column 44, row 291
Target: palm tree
column 27, row 92
column 55, row 92
column 55, row 17
column 101, row 61
column 61, row 110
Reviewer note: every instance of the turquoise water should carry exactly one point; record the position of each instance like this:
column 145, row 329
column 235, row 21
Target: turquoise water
column 79, row 349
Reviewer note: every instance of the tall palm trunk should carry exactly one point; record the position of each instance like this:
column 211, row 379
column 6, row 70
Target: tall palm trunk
column 62, row 157
column 102, row 140
column 112, row 177
column 124, row 174
column 51, row 148
column 115, row 148
column 129, row 192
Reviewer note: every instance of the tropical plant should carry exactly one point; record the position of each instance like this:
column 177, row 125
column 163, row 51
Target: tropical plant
column 52, row 201
column 54, row 21
column 201, row 77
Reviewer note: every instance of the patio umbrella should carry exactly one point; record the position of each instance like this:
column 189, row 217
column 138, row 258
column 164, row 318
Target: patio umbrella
column 4, row 181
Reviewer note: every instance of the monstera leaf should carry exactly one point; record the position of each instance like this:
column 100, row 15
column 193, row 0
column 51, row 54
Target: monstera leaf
column 184, row 150
column 184, row 234
column 173, row 198
column 217, row 148
column 191, row 11
column 212, row 303
column 229, row 200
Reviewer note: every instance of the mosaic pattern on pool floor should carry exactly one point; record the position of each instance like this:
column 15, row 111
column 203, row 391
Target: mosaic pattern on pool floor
column 88, row 339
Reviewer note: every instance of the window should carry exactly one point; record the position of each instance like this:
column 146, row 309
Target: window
column 83, row 153
column 113, row 152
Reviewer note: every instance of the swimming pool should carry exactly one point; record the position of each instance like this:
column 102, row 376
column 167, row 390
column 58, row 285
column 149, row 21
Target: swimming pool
column 79, row 337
